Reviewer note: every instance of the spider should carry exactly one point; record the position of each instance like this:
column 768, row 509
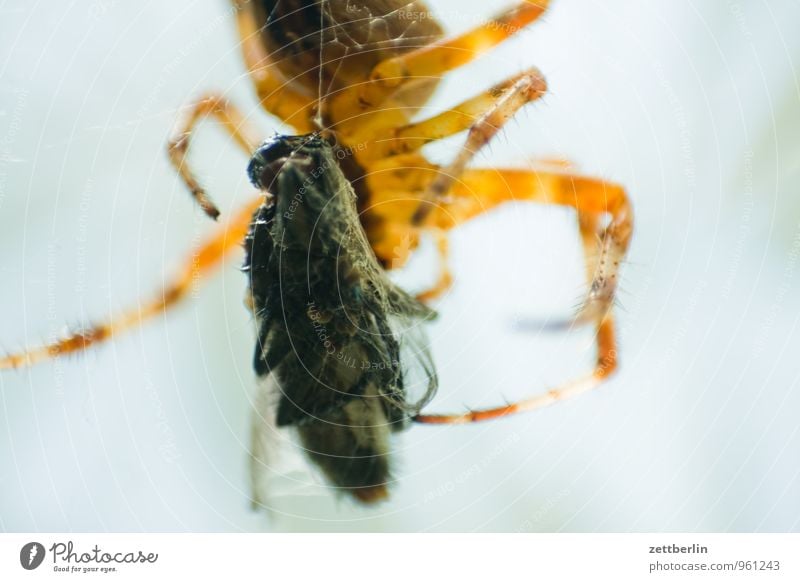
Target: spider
column 355, row 74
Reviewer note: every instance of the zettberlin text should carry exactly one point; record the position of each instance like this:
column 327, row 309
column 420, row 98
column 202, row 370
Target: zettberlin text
column 673, row 549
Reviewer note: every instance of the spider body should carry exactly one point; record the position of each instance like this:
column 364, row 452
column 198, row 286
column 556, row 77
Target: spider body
column 337, row 44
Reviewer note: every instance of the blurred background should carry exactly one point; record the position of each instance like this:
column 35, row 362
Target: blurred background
column 693, row 105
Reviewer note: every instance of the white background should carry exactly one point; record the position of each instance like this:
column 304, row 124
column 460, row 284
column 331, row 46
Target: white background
column 694, row 106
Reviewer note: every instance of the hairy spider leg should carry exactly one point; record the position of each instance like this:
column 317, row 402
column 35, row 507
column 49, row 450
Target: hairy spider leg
column 445, row 279
column 605, row 365
column 400, row 182
column 429, row 61
column 492, row 108
column 233, row 121
column 197, row 266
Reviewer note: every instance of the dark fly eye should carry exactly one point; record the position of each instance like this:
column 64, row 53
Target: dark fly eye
column 256, row 170
column 261, row 170
column 270, row 156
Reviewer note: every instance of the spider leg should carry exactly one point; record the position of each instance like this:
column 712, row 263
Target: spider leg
column 605, row 365
column 405, row 172
column 178, row 148
column 203, row 260
column 526, row 88
column 605, row 243
column 397, row 183
column 445, row 280
column 605, row 221
column 433, row 61
column 276, row 95
column 483, row 115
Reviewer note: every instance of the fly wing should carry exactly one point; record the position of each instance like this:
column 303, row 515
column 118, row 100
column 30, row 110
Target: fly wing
column 419, row 379
column 275, row 470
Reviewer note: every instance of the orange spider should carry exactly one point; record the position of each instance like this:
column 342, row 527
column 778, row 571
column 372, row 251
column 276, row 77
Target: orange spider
column 357, row 72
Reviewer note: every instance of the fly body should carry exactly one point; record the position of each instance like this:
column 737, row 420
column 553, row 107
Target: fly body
column 332, row 328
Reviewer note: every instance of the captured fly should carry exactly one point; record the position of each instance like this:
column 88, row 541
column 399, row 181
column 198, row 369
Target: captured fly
column 338, row 342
